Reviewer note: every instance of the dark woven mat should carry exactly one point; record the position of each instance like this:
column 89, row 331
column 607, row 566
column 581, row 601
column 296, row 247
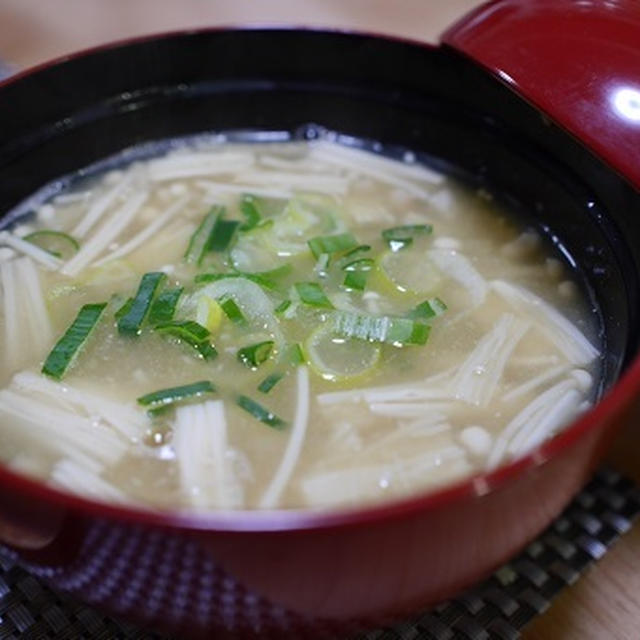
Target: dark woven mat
column 494, row 610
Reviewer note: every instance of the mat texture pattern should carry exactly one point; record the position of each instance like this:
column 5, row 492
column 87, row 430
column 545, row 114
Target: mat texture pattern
column 497, row 609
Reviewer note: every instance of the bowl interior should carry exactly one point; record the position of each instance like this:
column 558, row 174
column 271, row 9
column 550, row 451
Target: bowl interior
column 398, row 94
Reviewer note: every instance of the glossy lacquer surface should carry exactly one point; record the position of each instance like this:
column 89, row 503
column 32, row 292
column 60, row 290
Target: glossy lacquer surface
column 320, row 574
column 577, row 60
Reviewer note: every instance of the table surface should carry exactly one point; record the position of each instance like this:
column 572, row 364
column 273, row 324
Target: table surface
column 605, row 603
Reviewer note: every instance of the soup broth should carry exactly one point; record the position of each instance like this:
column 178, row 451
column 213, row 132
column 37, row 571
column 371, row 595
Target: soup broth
column 287, row 325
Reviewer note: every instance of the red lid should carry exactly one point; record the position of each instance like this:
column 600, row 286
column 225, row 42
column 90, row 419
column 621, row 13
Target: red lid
column 576, row 60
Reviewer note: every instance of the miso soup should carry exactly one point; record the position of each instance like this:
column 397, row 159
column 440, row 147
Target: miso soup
column 262, row 325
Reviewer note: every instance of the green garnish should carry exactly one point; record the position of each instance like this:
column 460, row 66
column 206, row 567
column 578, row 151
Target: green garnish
column 222, row 234
column 322, row 264
column 164, row 307
column 282, row 307
column 124, row 309
column 357, row 273
column 400, row 237
column 356, row 280
column 57, row 243
column 296, row 354
column 331, row 244
column 387, row 329
column 130, row 323
column 165, row 397
column 428, row 309
column 232, row 310
column 67, row 348
column 361, row 264
column 254, row 355
column 269, row 382
column 249, row 209
column 350, row 256
column 311, row 293
column 260, row 413
column 199, row 242
column 266, row 279
column 192, row 333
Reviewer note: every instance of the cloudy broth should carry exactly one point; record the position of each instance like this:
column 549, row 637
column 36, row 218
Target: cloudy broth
column 281, row 325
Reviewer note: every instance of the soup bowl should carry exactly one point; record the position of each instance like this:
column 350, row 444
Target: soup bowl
column 554, row 141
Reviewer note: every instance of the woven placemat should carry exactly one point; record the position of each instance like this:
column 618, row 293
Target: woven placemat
column 496, row 609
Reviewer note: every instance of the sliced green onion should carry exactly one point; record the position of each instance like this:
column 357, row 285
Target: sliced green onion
column 269, row 382
column 322, row 264
column 57, row 243
column 331, row 244
column 357, row 273
column 361, row 264
column 260, row 413
column 350, row 256
column 356, row 280
column 282, row 307
column 249, row 209
column 311, row 293
column 266, row 279
column 232, row 310
column 199, row 242
column 192, row 333
column 400, row 237
column 67, row 348
column 165, row 397
column 254, row 355
column 428, row 309
column 340, row 359
column 222, row 234
column 124, row 309
column 387, row 329
column 130, row 323
column 296, row 354
column 164, row 307
column 162, row 410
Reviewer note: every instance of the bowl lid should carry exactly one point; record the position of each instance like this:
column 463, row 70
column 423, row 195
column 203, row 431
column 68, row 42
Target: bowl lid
column 578, row 61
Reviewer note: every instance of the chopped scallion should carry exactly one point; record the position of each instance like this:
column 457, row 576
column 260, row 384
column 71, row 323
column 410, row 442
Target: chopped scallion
column 282, row 307
column 67, row 348
column 162, row 410
column 428, row 309
column 400, row 237
column 356, row 280
column 232, row 310
column 331, row 244
column 260, row 413
column 254, row 355
column 192, row 333
column 361, row 264
column 130, row 323
column 199, row 242
column 357, row 273
column 296, row 354
column 249, row 209
column 311, row 293
column 124, row 309
column 57, row 243
column 165, row 397
column 269, row 382
column 164, row 307
column 266, row 279
column 222, row 234
column 350, row 256
column 322, row 265
column 387, row 329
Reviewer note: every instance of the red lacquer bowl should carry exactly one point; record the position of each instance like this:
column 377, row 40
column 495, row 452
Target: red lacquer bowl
column 506, row 104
